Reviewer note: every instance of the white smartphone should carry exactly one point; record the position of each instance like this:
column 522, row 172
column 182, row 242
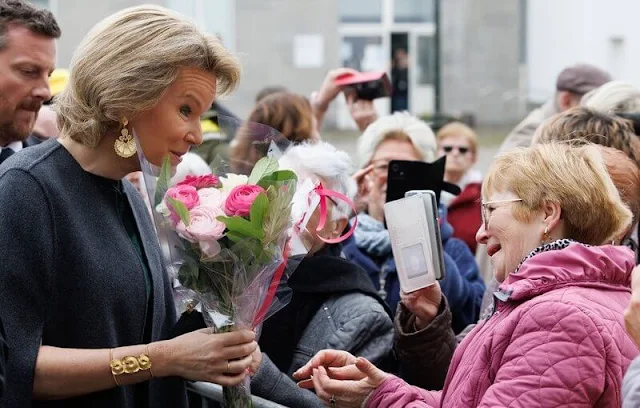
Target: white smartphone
column 415, row 239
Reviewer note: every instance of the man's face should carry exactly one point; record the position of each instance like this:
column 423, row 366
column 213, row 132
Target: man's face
column 26, row 62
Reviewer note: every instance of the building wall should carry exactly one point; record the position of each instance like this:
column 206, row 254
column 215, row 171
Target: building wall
column 480, row 43
column 77, row 17
column 265, row 32
column 566, row 32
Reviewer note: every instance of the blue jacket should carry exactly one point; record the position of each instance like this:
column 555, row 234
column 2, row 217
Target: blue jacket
column 462, row 285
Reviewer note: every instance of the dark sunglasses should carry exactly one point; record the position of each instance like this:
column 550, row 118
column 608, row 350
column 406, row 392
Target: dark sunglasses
column 461, row 149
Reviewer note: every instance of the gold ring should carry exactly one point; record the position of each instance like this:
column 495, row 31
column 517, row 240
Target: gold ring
column 228, row 368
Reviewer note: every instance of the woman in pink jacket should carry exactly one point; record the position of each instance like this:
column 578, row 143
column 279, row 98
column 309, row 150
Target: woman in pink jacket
column 556, row 337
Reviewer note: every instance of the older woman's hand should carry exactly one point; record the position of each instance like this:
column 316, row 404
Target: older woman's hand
column 221, row 358
column 423, row 303
column 325, row 358
column 632, row 314
column 347, row 386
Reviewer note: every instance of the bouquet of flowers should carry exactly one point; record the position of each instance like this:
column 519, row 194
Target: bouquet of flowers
column 230, row 237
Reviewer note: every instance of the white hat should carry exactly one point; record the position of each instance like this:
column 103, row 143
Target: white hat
column 418, row 131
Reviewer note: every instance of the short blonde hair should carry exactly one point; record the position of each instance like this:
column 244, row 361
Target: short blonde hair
column 576, row 178
column 458, row 129
column 126, row 63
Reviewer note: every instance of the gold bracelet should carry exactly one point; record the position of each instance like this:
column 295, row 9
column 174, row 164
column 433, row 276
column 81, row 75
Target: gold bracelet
column 129, row 365
column 149, row 357
column 111, row 364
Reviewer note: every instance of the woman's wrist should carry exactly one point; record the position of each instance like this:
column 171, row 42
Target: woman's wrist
column 161, row 359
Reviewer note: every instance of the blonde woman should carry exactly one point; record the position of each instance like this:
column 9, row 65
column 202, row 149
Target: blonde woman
column 84, row 296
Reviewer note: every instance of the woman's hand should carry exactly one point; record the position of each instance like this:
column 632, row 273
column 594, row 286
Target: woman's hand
column 423, row 303
column 632, row 314
column 325, row 358
column 329, row 90
column 221, row 358
column 348, row 386
column 362, row 181
column 363, row 112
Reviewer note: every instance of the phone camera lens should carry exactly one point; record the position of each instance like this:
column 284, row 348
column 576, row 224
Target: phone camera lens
column 395, row 167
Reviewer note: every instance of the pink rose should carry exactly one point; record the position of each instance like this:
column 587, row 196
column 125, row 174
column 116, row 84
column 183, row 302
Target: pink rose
column 212, row 197
column 240, row 199
column 208, row 180
column 187, row 195
column 203, row 229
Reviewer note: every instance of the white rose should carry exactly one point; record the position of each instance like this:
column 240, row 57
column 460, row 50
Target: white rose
column 232, row 181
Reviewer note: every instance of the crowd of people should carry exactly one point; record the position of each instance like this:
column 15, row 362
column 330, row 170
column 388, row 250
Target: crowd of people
column 540, row 301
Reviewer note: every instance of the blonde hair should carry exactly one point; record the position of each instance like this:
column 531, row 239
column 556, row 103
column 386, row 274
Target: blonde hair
column 575, row 177
column 458, row 129
column 126, row 63
column 613, row 97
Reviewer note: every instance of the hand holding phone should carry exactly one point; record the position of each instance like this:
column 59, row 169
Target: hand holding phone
column 365, row 85
column 415, row 239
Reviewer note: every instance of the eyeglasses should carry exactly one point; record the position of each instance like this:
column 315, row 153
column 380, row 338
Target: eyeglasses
column 486, row 212
column 462, row 149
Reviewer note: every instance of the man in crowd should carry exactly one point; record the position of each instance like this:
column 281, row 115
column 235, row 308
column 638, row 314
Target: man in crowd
column 27, row 58
column 572, row 83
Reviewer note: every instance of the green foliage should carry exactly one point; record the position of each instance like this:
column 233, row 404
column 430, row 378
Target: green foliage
column 277, row 178
column 263, row 168
column 258, row 210
column 242, row 226
column 180, row 209
column 163, row 181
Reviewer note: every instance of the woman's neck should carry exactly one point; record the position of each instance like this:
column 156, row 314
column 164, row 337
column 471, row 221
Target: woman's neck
column 453, row 176
column 102, row 159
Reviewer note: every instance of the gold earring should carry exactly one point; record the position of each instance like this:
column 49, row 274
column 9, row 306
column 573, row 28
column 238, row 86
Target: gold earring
column 545, row 235
column 125, row 146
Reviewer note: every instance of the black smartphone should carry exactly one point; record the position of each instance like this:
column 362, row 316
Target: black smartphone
column 404, row 176
column 366, row 85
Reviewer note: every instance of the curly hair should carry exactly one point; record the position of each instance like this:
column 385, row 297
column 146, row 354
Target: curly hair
column 582, row 125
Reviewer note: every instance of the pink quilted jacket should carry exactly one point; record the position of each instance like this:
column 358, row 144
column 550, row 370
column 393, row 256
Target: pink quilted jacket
column 558, row 340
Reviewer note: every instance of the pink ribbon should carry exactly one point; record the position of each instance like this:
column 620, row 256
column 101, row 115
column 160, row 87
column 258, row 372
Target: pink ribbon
column 324, row 194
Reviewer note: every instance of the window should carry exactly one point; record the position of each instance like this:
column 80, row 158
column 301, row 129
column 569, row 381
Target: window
column 363, row 53
column 426, row 60
column 414, row 11
column 360, row 11
column 214, row 17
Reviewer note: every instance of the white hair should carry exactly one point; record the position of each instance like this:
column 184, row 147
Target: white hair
column 323, row 161
column 191, row 165
column 420, row 134
column 613, row 97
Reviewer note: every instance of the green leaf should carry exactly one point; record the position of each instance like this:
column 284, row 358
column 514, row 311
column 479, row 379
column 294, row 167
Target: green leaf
column 180, row 209
column 258, row 210
column 241, row 226
column 163, row 181
column 235, row 236
column 263, row 167
column 277, row 177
